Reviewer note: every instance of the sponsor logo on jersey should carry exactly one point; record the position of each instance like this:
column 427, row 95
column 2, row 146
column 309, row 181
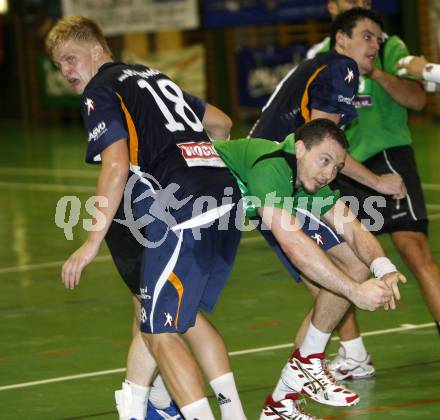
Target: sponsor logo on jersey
column 97, row 131
column 200, row 154
column 345, row 99
column 362, row 100
column 90, row 105
column 350, row 75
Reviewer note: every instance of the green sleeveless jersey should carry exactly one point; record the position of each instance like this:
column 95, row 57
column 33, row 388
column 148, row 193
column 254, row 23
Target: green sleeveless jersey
column 266, row 173
column 382, row 123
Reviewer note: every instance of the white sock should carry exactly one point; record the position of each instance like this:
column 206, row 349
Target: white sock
column 314, row 341
column 354, row 349
column 198, row 410
column 159, row 394
column 139, row 396
column 227, row 397
column 281, row 390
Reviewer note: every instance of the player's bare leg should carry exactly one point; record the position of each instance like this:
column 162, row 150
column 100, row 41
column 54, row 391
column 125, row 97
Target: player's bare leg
column 328, row 310
column 211, row 353
column 348, row 328
column 180, row 373
column 141, row 367
column 414, row 249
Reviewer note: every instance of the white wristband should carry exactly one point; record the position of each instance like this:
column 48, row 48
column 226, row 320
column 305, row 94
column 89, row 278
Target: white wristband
column 382, row 266
column 431, row 72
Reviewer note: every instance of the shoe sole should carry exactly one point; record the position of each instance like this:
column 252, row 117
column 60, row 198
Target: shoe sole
column 349, row 376
column 330, row 402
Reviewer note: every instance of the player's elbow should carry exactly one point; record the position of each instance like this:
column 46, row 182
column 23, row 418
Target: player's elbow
column 222, row 129
column 118, row 171
column 419, row 99
column 292, row 248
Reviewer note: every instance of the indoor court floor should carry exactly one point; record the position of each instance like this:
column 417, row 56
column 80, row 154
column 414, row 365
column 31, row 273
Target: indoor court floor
column 62, row 352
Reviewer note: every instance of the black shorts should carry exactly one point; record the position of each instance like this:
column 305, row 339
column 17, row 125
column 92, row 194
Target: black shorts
column 381, row 213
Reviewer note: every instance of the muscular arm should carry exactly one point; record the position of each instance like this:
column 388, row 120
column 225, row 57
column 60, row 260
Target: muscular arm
column 301, row 250
column 216, row 123
column 111, row 183
column 361, row 241
column 387, row 184
column 365, row 246
column 408, row 93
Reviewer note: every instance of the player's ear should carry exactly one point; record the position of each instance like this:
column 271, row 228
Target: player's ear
column 340, row 40
column 97, row 51
column 300, row 149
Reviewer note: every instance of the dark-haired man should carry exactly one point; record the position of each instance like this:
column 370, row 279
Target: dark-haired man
column 287, row 183
column 380, row 138
column 325, row 87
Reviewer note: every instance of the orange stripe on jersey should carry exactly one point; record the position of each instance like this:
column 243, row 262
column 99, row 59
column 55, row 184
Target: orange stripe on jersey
column 305, row 99
column 175, row 281
column 133, row 140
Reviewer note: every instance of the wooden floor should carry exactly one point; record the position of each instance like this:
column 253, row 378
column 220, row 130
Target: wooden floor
column 62, row 352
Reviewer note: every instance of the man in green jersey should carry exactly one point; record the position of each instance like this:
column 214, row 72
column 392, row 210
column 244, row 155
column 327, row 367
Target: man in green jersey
column 381, row 140
column 280, row 183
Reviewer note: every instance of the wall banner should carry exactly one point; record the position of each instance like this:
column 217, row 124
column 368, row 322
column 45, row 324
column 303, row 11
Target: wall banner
column 123, row 16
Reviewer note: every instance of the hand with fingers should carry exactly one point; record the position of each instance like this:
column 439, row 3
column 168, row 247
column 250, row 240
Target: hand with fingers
column 372, row 294
column 391, row 184
column 412, row 65
column 392, row 280
column 73, row 267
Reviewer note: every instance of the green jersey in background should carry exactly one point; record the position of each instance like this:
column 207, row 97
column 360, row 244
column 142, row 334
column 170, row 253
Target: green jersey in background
column 382, row 123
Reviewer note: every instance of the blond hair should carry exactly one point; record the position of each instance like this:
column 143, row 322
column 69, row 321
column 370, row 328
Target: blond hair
column 78, row 28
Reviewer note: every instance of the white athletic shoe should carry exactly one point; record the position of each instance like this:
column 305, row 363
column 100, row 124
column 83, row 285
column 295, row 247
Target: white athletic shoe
column 310, row 376
column 288, row 409
column 124, row 404
column 347, row 368
column 123, row 400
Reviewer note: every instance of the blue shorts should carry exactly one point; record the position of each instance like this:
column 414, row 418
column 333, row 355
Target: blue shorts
column 315, row 228
column 188, row 250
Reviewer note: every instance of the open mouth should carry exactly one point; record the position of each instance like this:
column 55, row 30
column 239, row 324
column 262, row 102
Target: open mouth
column 73, row 82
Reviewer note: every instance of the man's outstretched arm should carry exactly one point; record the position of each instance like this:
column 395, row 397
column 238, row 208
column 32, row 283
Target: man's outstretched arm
column 315, row 264
column 365, row 246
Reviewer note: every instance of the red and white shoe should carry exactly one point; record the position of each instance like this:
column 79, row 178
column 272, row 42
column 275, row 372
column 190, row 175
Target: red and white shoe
column 310, row 376
column 289, row 408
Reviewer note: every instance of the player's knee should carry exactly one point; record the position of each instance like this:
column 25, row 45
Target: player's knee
column 416, row 251
column 157, row 343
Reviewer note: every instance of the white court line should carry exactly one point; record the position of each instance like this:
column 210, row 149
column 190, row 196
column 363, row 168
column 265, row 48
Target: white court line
column 404, row 327
column 102, row 258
